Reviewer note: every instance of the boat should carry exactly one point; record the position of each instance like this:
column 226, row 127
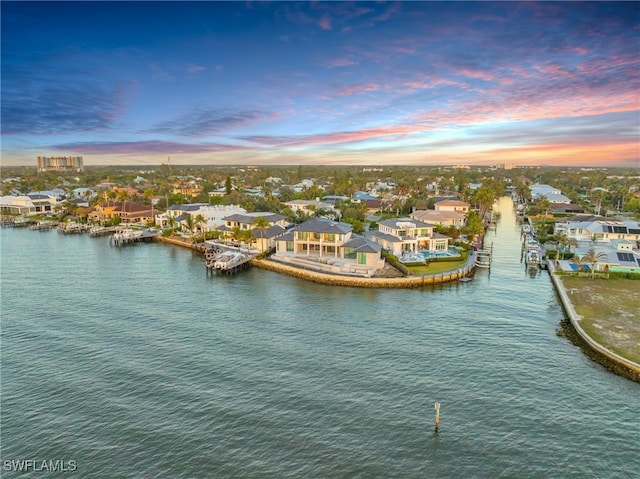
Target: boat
column 532, row 257
column 228, row 259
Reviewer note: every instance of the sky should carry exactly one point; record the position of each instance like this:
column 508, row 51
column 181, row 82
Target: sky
column 333, row 83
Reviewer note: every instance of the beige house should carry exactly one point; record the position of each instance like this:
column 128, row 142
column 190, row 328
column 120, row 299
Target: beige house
column 444, row 218
column 453, row 205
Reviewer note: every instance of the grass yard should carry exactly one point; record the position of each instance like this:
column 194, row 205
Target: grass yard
column 436, row 268
column 610, row 309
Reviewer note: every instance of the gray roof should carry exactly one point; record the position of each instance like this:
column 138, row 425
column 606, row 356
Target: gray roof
column 251, row 217
column 188, row 207
column 385, row 236
column 321, row 225
column 288, row 236
column 270, row 232
column 361, row 245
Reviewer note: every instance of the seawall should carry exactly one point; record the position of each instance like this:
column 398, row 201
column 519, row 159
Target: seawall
column 629, row 369
column 360, row 282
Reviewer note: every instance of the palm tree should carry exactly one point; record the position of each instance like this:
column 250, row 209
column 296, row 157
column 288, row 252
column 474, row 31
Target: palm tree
column 200, row 223
column 593, row 258
column 189, row 223
column 544, row 205
column 171, row 222
column 579, row 261
column 562, row 240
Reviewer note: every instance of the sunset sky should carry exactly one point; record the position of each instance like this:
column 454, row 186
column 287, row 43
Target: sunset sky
column 322, row 83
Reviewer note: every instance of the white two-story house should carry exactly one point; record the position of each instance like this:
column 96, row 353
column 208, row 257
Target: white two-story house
column 402, row 235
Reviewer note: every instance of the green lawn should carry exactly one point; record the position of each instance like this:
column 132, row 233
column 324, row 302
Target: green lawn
column 436, row 268
column 610, row 309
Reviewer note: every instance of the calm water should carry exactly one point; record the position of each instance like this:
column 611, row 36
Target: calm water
column 133, row 363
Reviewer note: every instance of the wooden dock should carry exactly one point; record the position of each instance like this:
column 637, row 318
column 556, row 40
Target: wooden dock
column 125, row 236
column 72, row 228
column 43, row 225
column 97, row 231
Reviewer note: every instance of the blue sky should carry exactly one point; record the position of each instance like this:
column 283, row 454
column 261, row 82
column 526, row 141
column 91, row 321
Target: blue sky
column 322, row 83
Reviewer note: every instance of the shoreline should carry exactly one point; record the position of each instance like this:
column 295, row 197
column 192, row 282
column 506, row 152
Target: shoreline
column 409, row 282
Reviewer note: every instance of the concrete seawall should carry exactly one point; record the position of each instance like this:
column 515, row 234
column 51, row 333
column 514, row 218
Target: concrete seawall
column 359, row 282
column 574, row 319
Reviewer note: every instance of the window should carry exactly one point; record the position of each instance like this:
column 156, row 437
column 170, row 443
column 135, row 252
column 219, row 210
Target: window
column 289, row 245
column 362, row 258
column 349, row 253
column 302, row 235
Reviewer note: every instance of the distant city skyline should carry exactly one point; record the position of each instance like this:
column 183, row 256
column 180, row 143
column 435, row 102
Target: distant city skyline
column 369, row 83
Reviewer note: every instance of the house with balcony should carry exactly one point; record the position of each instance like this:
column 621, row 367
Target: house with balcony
column 262, row 238
column 456, row 206
column 213, row 215
column 406, row 235
column 129, row 212
column 329, row 246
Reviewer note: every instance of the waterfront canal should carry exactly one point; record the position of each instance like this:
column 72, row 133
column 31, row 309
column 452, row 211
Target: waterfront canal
column 134, row 363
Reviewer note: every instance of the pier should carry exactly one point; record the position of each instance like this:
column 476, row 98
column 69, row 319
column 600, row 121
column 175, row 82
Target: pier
column 125, row 236
column 43, row 226
column 97, row 231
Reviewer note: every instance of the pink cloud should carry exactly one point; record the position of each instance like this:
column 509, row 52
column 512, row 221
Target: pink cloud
column 359, row 88
column 324, row 23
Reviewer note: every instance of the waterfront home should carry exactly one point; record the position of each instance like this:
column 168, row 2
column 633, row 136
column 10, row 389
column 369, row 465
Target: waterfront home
column 262, row 238
column 329, row 246
column 456, row 206
column 19, row 204
column 247, row 221
column 620, row 256
column 444, row 218
column 43, row 203
column 597, row 229
column 406, row 235
column 213, row 215
column 129, row 212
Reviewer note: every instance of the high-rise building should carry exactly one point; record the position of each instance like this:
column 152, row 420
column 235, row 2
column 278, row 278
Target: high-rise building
column 60, row 163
